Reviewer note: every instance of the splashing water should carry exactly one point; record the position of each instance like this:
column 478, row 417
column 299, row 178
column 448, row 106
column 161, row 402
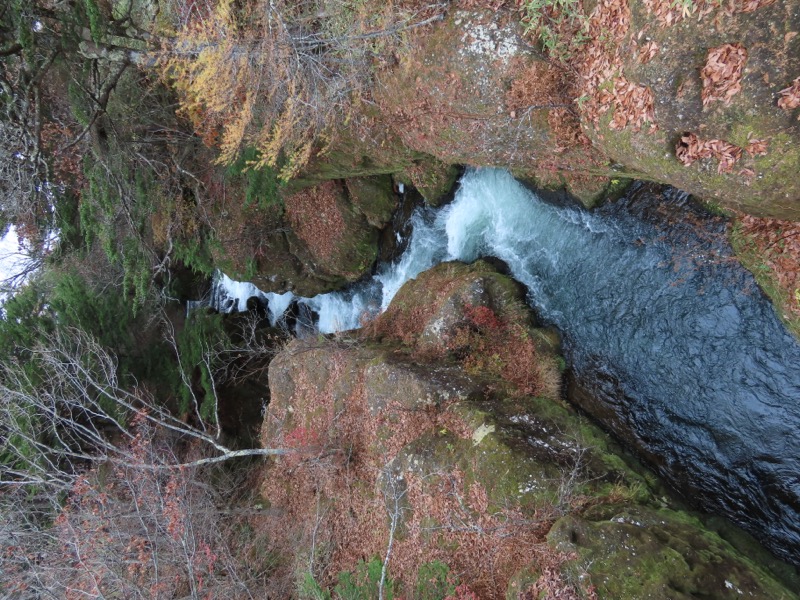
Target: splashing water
column 682, row 355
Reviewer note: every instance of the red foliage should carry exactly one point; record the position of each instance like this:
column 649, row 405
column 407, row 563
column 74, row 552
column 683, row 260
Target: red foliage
column 482, row 317
column 302, row 437
column 463, row 593
column 503, row 350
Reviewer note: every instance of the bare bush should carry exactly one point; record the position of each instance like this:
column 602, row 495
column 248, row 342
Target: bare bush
column 126, row 532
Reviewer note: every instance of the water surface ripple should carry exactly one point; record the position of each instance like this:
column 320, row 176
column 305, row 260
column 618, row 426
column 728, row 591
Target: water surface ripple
column 672, row 345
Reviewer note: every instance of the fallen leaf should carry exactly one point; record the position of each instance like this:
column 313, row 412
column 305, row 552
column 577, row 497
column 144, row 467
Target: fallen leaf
column 756, row 147
column 790, row 97
column 722, row 73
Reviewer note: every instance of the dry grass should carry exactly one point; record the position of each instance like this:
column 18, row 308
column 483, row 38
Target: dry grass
column 535, row 86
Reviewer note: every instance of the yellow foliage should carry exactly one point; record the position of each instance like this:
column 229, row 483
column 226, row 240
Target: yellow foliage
column 274, row 75
column 234, row 132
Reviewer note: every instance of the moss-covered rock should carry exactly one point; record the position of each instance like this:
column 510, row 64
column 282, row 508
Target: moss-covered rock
column 477, row 316
column 430, row 309
column 335, row 231
column 373, row 197
column 320, row 239
column 472, row 92
column 257, row 244
column 370, row 146
column 764, row 185
column 433, row 179
column 638, row 552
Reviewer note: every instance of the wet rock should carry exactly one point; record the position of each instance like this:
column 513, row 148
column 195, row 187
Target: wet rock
column 373, row 197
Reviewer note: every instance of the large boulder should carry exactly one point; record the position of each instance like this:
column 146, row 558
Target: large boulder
column 474, row 92
column 319, row 239
column 633, row 552
column 714, row 80
column 436, row 456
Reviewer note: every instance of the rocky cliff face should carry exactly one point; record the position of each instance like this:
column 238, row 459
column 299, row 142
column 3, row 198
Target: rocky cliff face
column 721, row 127
column 426, row 440
column 705, row 99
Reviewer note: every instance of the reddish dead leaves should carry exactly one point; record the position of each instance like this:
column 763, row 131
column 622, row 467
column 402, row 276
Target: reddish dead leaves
column 790, row 97
column 600, row 58
column 316, row 218
column 691, row 148
column 777, row 243
column 722, row 74
column 747, row 6
column 756, row 147
column 671, row 12
column 648, row 51
column 634, row 105
column 598, row 62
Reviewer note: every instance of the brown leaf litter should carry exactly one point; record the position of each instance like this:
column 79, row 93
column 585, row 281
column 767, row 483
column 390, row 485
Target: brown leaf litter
column 600, row 60
column 634, row 105
column 672, row 12
column 747, row 6
column 777, row 243
column 691, row 148
column 648, row 51
column 722, row 73
column 790, row 97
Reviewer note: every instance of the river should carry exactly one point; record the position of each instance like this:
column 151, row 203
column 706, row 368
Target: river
column 671, row 344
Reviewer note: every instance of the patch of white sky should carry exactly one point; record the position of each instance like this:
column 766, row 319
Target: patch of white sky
column 13, row 259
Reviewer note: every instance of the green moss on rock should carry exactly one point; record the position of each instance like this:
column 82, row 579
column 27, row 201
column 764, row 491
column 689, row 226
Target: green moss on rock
column 374, row 197
column 642, row 552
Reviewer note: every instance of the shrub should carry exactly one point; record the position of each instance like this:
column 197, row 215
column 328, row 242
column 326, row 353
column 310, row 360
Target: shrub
column 504, row 350
column 261, row 184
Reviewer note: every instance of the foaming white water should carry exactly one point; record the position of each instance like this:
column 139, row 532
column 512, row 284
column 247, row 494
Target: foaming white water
column 277, row 304
column 340, row 311
column 232, row 296
column 425, row 249
column 492, row 214
column 238, row 291
column 489, row 215
column 337, row 311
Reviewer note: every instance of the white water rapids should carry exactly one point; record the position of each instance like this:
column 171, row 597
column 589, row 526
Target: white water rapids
column 492, row 214
column 683, row 356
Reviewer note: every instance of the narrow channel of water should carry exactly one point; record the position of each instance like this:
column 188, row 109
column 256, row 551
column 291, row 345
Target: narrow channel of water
column 671, row 343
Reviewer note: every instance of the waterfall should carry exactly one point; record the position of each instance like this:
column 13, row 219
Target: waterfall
column 673, row 338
